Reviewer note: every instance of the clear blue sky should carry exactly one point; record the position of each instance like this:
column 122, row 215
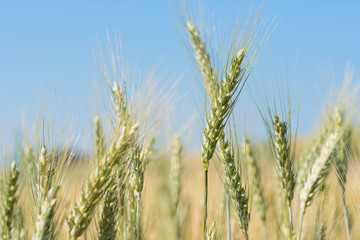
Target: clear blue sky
column 46, row 50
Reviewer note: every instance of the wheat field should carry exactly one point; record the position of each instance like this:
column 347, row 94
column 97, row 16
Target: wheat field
column 135, row 182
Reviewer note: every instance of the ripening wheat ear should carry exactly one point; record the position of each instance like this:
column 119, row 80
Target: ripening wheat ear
column 10, row 199
column 341, row 163
column 109, row 205
column 19, row 230
column 45, row 197
column 319, row 229
column 175, row 170
column 222, row 94
column 139, row 155
column 43, row 226
column 285, row 169
column 79, row 218
column 99, row 137
column 108, row 213
column 168, row 218
column 213, row 234
column 204, row 61
column 51, row 171
column 253, row 172
column 45, row 176
column 319, row 170
column 234, row 184
column 220, row 110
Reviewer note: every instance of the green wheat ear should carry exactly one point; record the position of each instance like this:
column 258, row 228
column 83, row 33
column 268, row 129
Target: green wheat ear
column 253, row 171
column 234, row 184
column 97, row 184
column 10, row 199
column 175, row 170
column 283, row 159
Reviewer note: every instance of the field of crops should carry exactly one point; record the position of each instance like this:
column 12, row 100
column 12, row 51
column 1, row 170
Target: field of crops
column 135, row 183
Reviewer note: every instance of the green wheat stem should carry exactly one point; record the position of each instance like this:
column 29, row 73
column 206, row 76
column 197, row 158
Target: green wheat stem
column 137, row 228
column 346, row 218
column 300, row 224
column 228, row 224
column 205, row 203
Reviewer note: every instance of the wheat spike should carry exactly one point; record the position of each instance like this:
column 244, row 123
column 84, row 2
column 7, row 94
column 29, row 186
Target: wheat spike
column 10, row 199
column 175, row 170
column 81, row 215
column 233, row 181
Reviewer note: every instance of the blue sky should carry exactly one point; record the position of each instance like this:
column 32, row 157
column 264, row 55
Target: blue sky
column 46, row 52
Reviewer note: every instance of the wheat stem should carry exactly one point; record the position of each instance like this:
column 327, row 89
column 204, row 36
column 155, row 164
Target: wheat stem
column 346, row 219
column 300, row 225
column 290, row 218
column 228, row 224
column 137, row 228
column 205, row 203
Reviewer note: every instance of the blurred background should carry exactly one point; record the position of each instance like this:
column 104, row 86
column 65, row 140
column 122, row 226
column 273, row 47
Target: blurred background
column 48, row 55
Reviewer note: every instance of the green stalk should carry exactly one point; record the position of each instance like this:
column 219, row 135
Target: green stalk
column 290, row 219
column 137, row 229
column 205, row 203
column 346, row 218
column 300, row 225
column 228, row 215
